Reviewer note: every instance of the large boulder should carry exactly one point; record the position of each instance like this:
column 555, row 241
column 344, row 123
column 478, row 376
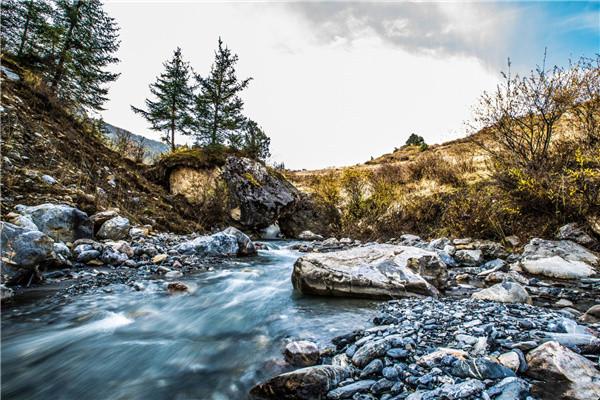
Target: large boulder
column 302, row 353
column 303, row 384
column 116, row 228
column 564, row 373
column 258, row 195
column 561, row 259
column 375, row 271
column 228, row 243
column 504, row 292
column 61, row 222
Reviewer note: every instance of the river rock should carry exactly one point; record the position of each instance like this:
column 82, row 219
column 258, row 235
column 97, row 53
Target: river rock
column 101, row 217
column 469, row 258
column 576, row 234
column 116, row 228
column 308, row 235
column 592, row 315
column 505, row 292
column 370, row 351
column 375, row 271
column 245, row 245
column 61, row 222
column 228, row 243
column 31, row 249
column 480, row 368
column 564, row 373
column 347, row 391
column 303, row 384
column 558, row 259
column 511, row 388
column 301, row 353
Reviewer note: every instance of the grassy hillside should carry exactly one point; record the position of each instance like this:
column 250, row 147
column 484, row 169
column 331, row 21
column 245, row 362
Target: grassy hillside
column 42, row 142
column 452, row 189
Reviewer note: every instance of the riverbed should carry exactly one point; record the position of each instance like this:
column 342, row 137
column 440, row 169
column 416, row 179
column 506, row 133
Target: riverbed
column 213, row 343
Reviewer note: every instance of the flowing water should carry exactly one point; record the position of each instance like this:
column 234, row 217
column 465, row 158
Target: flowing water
column 214, row 343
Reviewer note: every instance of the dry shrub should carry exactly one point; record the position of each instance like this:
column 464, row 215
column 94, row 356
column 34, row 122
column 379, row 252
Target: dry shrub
column 435, row 167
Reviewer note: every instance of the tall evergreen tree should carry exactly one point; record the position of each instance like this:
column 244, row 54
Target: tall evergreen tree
column 254, row 141
column 218, row 105
column 171, row 112
column 24, row 27
column 87, row 43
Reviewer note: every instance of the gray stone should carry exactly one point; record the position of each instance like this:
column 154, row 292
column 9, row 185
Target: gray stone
column 245, row 245
column 470, row 258
column 116, row 228
column 576, row 234
column 374, row 271
column 301, row 353
column 511, row 388
column 558, row 259
column 505, row 292
column 308, row 235
column 480, row 368
column 61, row 222
column 346, row 392
column 370, row 351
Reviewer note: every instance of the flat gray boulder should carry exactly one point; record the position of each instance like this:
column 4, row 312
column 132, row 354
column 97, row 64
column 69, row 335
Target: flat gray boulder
column 228, row 243
column 375, row 271
column 504, row 292
column 560, row 259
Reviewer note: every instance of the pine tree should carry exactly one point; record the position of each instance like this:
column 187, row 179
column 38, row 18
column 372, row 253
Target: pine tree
column 88, row 39
column 171, row 112
column 218, row 105
column 254, row 142
column 25, row 26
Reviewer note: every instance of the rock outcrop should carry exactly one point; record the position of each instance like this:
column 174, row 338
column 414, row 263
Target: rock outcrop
column 375, row 271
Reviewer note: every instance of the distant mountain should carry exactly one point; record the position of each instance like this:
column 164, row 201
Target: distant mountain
column 153, row 148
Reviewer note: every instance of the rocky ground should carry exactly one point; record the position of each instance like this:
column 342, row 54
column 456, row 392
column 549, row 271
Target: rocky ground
column 468, row 319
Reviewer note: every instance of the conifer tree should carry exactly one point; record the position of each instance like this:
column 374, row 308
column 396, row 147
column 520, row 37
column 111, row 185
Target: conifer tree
column 254, row 142
column 88, row 39
column 170, row 113
column 218, row 105
column 24, row 27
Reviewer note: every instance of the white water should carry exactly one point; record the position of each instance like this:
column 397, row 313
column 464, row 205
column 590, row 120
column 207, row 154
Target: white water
column 214, row 343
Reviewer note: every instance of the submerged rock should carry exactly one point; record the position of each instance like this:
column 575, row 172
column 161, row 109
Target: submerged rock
column 303, row 384
column 376, row 271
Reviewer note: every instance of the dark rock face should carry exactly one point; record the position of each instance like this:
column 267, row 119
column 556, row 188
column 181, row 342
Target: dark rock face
column 308, row 215
column 262, row 196
column 311, row 383
column 60, row 222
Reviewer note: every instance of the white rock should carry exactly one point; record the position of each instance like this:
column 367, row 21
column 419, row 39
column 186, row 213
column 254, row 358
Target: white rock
column 505, row 292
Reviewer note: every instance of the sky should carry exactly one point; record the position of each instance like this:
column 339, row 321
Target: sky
column 336, row 83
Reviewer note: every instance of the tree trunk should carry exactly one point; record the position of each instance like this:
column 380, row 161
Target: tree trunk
column 66, row 47
column 26, row 28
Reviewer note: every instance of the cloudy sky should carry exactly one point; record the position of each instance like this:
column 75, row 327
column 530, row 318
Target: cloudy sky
column 337, row 82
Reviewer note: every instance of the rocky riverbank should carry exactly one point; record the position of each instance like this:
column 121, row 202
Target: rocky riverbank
column 453, row 349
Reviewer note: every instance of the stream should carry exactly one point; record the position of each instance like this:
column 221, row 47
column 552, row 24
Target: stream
column 213, row 343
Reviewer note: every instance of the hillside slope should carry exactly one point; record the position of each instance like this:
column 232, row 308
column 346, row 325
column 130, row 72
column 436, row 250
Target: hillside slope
column 48, row 155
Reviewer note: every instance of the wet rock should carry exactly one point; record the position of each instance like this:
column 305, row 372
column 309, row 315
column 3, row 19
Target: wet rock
column 116, row 228
column 376, row 271
column 5, row 293
column 576, row 234
column 308, row 235
column 348, row 391
column 558, row 259
column 302, row 353
column 228, row 243
column 372, row 368
column 303, row 384
column 61, row 222
column 245, row 245
column 592, row 315
column 505, row 292
column 564, row 373
column 511, row 388
column 31, row 249
column 480, row 368
column 463, row 390
column 370, row 351
column 175, row 287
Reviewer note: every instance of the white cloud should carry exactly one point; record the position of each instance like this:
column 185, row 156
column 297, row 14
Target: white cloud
column 323, row 102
